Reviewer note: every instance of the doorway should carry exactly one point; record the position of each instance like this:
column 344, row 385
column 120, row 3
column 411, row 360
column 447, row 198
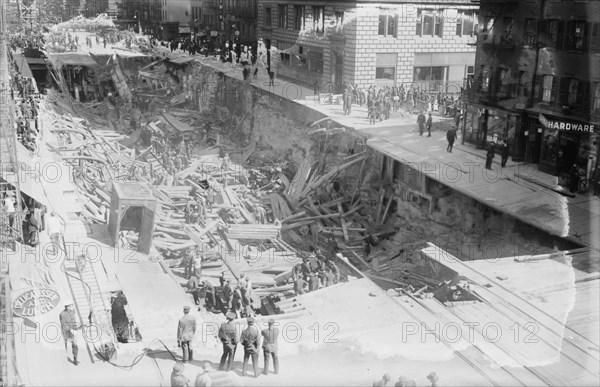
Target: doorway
column 338, row 72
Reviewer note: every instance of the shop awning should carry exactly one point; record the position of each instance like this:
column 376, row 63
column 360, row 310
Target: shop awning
column 184, row 28
column 444, row 59
column 23, row 65
column 72, row 59
column 30, row 177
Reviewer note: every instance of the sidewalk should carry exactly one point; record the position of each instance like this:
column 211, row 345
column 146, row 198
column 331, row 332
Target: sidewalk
column 519, row 189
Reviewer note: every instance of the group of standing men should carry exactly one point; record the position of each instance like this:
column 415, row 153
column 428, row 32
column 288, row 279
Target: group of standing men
column 251, row 338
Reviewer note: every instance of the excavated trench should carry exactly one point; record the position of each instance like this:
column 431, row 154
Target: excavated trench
column 274, row 135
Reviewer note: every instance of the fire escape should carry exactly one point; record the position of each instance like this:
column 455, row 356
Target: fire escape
column 487, row 38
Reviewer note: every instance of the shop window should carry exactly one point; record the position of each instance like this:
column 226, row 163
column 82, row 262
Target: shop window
column 429, row 22
column 267, row 16
column 576, row 36
column 318, row 19
column 465, row 23
column 385, row 66
column 596, row 106
column 387, row 24
column 529, row 32
column 298, row 17
column 282, row 16
column 549, row 148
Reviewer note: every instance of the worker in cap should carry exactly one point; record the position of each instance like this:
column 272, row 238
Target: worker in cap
column 250, row 340
column 228, row 336
column 384, row 381
column 433, row 378
column 270, row 347
column 203, row 379
column 178, row 379
column 68, row 323
column 186, row 329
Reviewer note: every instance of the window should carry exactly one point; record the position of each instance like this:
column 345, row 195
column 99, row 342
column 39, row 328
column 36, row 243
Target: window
column 470, row 72
column 385, row 66
column 318, row 19
column 429, row 23
column 552, row 34
column 315, row 61
column 267, row 16
column 595, row 39
column 298, row 17
column 485, row 78
column 339, row 18
column 503, row 81
column 387, row 24
column 465, row 23
column 282, row 16
column 596, row 106
column 529, row 32
column 576, row 36
column 285, row 58
column 507, row 34
column 572, row 92
column 548, row 80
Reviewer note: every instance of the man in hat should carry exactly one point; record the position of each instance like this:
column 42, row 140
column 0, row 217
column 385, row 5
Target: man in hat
column 269, row 347
column 209, row 297
column 451, row 137
column 250, row 340
column 421, row 122
column 68, row 323
column 203, row 379
column 178, row 379
column 186, row 330
column 228, row 336
column 227, row 294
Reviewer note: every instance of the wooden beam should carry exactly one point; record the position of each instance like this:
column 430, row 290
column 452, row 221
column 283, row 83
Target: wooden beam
column 346, row 237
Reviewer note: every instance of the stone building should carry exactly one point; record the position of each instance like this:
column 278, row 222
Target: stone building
column 232, row 20
column 537, row 82
column 365, row 43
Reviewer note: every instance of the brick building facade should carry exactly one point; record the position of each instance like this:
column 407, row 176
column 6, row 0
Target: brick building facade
column 537, row 82
column 340, row 42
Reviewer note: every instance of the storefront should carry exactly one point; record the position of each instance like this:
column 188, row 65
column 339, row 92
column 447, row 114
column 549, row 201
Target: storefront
column 561, row 142
column 501, row 125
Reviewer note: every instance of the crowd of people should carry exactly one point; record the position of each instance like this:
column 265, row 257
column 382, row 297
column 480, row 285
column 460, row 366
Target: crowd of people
column 381, row 101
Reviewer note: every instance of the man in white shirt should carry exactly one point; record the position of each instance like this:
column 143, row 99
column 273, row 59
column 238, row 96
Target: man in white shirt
column 54, row 228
